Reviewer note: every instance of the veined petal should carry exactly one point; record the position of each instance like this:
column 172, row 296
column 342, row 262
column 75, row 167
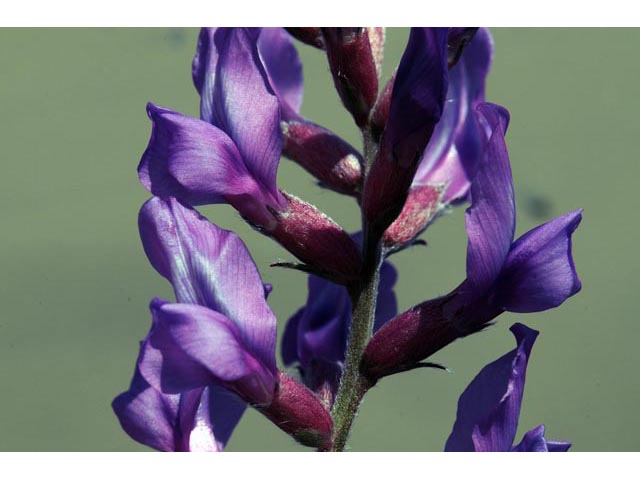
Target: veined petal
column 455, row 149
column 246, row 106
column 197, row 420
column 491, row 219
column 211, row 267
column 419, row 92
column 539, row 272
column 192, row 160
column 205, row 59
column 190, row 346
column 280, row 58
column 489, row 408
column 203, row 72
column 148, row 416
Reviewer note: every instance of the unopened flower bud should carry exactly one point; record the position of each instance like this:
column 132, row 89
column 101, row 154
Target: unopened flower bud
column 417, row 101
column 409, row 338
column 317, row 240
column 386, row 188
column 376, row 38
column 421, row 207
column 380, row 112
column 298, row 412
column 353, row 67
column 323, row 154
column 309, row 35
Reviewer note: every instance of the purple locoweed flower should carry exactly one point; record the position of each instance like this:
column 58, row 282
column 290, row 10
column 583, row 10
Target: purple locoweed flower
column 430, row 143
column 335, row 163
column 200, row 420
column 233, row 156
column 532, row 274
column 455, row 149
column 489, row 408
column 219, row 339
column 415, row 107
column 315, row 338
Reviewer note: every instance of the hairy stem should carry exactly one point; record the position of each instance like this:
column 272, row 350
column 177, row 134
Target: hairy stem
column 353, row 385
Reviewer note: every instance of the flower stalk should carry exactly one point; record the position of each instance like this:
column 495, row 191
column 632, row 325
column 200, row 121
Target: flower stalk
column 353, row 385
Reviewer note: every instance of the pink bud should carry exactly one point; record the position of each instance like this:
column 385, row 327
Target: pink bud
column 353, row 67
column 323, row 154
column 376, row 38
column 409, row 338
column 386, row 188
column 380, row 112
column 420, row 208
column 317, row 240
column 298, row 412
column 309, row 35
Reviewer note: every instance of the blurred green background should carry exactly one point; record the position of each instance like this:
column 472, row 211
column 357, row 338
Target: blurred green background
column 76, row 284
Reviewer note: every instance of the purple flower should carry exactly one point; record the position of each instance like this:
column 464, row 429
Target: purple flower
column 325, row 155
column 489, row 408
column 217, row 341
column 532, row 274
column 178, row 422
column 415, row 107
column 232, row 155
column 277, row 54
column 455, row 149
column 315, row 337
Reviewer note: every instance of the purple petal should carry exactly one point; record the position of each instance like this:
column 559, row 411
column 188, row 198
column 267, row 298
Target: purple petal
column 205, row 59
column 418, row 93
column 203, row 72
column 194, row 161
column 489, row 408
column 316, row 335
column 558, row 446
column 280, row 58
column 540, row 273
column 455, row 149
column 246, row 107
column 197, row 420
column 534, row 441
column 325, row 322
column 457, row 40
column 491, row 219
column 209, row 416
column 190, row 346
column 289, row 345
column 211, row 267
column 148, row 416
column 386, row 305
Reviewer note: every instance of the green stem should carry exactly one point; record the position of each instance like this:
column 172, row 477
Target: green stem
column 353, row 385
